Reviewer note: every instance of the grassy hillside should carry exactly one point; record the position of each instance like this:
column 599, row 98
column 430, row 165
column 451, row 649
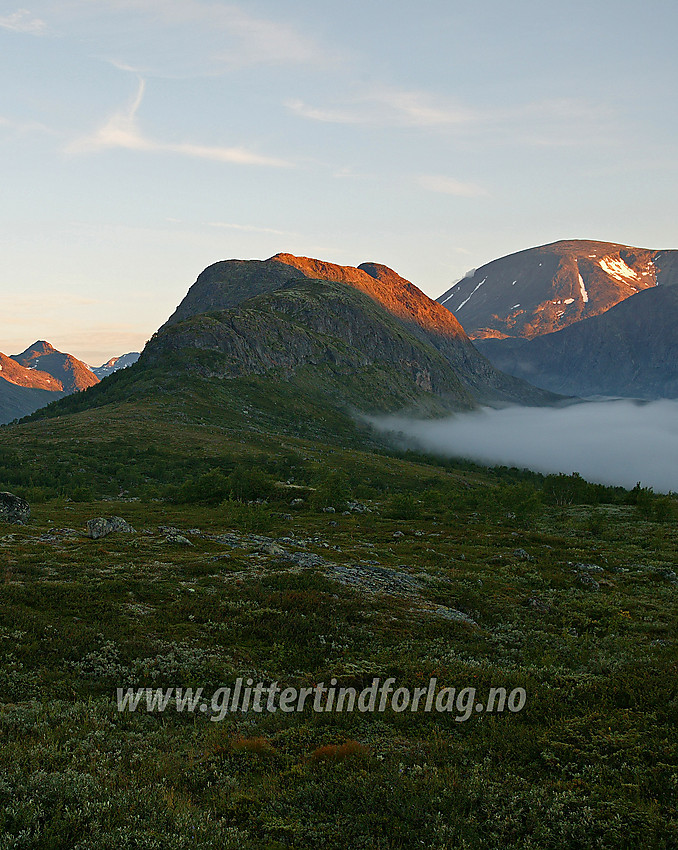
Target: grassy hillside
column 480, row 578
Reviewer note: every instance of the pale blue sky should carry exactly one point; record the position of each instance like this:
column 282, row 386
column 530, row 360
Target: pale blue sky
column 142, row 140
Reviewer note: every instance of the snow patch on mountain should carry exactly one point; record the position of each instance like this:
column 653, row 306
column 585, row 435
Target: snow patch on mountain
column 475, row 290
column 617, row 268
column 115, row 364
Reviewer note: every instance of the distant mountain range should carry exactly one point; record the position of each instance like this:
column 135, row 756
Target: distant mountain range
column 577, row 317
column 584, row 318
column 114, row 364
column 41, row 374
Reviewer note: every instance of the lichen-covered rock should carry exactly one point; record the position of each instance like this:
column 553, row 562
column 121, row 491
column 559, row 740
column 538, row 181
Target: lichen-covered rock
column 14, row 509
column 177, row 539
column 589, row 581
column 101, row 526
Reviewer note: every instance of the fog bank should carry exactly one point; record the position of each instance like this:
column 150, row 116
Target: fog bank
column 611, row 442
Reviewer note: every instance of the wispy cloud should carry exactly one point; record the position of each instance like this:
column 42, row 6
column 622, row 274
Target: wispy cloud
column 122, row 131
column 18, row 126
column 23, row 21
column 329, row 116
column 421, row 109
column 26, row 305
column 450, row 186
column 101, row 341
column 249, row 228
column 260, row 41
column 347, row 172
column 391, row 107
column 564, row 122
column 186, row 38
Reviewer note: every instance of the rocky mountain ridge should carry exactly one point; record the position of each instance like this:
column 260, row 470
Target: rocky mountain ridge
column 115, row 364
column 350, row 306
column 545, row 289
column 41, row 374
column 72, row 374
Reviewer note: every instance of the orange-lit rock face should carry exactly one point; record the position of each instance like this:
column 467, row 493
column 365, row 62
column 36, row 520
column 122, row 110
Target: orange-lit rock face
column 68, row 371
column 548, row 288
column 397, row 295
column 22, row 377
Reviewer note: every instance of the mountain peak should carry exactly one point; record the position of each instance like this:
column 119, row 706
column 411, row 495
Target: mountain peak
column 115, row 364
column 226, row 284
column 396, row 294
column 39, row 348
column 71, row 373
column 242, row 308
column 377, row 270
column 547, row 288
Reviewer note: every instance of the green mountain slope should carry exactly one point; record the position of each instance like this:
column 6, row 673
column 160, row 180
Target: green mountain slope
column 276, row 540
column 315, row 333
column 481, row 580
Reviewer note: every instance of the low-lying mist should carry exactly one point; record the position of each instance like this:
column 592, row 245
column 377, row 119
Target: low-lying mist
column 610, row 442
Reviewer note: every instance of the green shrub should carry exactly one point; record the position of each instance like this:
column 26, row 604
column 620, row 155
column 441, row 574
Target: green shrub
column 404, row 506
column 253, row 518
column 333, row 491
column 81, row 494
column 572, row 489
column 249, row 484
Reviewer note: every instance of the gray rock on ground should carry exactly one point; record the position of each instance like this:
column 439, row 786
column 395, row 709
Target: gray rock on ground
column 178, row 539
column 14, row 509
column 101, row 526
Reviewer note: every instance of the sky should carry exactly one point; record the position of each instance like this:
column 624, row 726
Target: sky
column 620, row 442
column 143, row 140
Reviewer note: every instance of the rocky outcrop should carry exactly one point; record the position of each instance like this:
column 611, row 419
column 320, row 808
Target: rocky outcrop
column 14, row 509
column 102, row 526
column 396, row 294
column 337, row 332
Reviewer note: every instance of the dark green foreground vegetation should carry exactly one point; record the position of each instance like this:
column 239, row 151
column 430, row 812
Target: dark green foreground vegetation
column 571, row 590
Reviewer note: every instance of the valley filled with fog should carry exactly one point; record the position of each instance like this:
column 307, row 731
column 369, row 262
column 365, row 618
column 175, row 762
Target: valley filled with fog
column 619, row 441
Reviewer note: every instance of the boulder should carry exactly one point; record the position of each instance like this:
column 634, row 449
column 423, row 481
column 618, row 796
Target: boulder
column 178, row 539
column 101, row 526
column 14, row 509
